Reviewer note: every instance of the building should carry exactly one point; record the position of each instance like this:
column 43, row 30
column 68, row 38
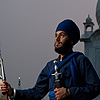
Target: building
column 19, row 84
column 91, row 39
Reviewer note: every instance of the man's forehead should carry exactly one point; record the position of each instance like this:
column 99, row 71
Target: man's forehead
column 60, row 32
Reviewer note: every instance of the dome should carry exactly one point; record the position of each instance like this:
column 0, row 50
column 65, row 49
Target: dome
column 88, row 20
column 98, row 12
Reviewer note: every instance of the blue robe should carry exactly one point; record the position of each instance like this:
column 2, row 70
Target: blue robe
column 89, row 88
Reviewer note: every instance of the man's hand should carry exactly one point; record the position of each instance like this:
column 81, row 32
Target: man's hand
column 61, row 94
column 6, row 88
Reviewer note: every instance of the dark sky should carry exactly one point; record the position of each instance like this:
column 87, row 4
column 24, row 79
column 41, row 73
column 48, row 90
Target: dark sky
column 27, row 30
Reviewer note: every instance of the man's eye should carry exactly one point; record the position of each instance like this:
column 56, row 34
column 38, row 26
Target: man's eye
column 62, row 35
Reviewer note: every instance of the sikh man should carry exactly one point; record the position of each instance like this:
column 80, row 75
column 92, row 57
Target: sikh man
column 78, row 79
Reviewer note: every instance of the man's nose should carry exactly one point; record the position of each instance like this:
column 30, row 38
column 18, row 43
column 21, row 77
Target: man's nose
column 58, row 38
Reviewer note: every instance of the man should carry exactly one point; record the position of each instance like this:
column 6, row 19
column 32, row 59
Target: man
column 78, row 79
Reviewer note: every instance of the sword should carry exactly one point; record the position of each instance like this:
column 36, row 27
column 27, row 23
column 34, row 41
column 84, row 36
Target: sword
column 57, row 75
column 3, row 74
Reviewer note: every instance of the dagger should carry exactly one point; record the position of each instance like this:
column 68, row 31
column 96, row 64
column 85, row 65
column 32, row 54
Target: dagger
column 3, row 74
column 57, row 75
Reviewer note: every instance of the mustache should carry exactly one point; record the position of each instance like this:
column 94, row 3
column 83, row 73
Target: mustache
column 58, row 42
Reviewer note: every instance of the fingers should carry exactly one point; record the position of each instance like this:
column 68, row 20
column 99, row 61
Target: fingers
column 5, row 82
column 4, row 87
column 60, row 93
column 57, row 93
column 55, row 90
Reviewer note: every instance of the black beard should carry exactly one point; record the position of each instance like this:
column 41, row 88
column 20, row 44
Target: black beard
column 65, row 48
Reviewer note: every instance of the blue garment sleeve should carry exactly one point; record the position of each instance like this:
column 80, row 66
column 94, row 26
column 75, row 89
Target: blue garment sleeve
column 38, row 91
column 91, row 83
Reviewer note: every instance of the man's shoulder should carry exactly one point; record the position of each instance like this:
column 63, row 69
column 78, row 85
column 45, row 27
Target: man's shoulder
column 81, row 57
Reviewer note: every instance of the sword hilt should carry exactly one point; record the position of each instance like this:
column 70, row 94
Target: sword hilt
column 56, row 74
column 55, row 62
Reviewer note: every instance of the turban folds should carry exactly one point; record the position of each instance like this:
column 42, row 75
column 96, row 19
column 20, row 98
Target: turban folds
column 71, row 29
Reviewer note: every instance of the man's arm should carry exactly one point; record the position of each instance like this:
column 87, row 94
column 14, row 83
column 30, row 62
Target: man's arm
column 38, row 91
column 91, row 83
column 35, row 93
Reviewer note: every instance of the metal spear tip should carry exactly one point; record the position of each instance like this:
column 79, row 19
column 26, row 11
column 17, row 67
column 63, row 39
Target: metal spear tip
column 55, row 62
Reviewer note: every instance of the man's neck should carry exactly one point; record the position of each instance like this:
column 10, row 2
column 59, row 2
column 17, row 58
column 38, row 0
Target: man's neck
column 63, row 55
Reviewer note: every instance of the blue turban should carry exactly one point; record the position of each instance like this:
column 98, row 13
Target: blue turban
column 71, row 29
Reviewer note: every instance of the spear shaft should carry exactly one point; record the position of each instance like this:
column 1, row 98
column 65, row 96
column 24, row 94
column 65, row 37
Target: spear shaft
column 3, row 75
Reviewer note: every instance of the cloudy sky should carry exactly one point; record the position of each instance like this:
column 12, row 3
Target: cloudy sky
column 27, row 30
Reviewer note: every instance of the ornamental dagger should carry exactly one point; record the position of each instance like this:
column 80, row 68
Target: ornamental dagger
column 3, row 74
column 57, row 75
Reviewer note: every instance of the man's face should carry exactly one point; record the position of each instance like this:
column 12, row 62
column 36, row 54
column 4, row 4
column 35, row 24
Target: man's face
column 62, row 42
column 60, row 38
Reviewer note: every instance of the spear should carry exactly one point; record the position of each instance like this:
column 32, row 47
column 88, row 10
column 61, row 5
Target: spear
column 3, row 74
